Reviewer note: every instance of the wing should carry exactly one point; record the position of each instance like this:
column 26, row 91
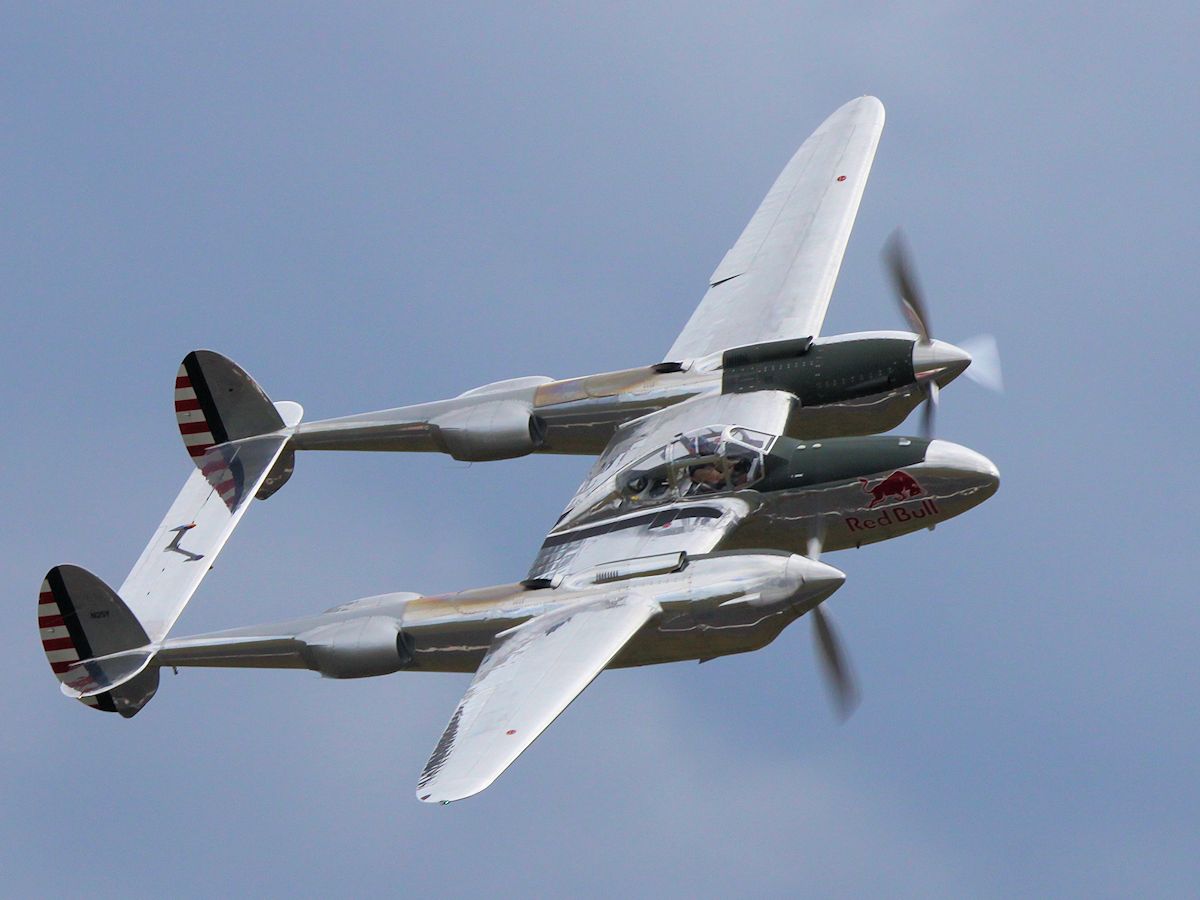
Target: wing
column 529, row 676
column 775, row 282
column 691, row 528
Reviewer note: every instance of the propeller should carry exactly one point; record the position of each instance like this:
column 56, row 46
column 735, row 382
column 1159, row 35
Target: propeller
column 985, row 362
column 932, row 393
column 898, row 258
column 838, row 675
column 980, row 354
column 834, row 663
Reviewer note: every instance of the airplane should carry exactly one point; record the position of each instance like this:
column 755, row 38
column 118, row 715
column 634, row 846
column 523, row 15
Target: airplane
column 696, row 534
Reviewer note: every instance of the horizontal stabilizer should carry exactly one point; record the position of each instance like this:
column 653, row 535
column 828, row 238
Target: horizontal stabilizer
column 196, row 527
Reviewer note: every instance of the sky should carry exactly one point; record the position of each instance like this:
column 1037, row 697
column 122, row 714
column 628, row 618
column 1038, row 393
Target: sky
column 375, row 204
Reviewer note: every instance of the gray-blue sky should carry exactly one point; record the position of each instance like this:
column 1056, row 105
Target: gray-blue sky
column 373, row 205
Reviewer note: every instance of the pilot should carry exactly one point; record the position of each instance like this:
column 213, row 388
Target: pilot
column 707, row 478
column 741, row 473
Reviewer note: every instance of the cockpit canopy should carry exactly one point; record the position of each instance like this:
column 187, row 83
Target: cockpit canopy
column 712, row 460
column 705, row 461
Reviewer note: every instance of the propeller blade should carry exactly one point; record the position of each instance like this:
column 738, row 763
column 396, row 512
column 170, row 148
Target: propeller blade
column 985, row 362
column 816, row 540
column 932, row 392
column 898, row 260
column 835, row 665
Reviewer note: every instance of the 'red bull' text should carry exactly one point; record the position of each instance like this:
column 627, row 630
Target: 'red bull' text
column 927, row 509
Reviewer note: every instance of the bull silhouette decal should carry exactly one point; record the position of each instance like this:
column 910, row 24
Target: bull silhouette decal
column 897, row 486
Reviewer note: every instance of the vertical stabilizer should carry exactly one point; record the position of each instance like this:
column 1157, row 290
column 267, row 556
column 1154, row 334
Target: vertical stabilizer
column 216, row 402
column 95, row 645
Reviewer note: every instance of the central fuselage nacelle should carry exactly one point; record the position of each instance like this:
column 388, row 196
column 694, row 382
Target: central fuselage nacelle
column 753, row 491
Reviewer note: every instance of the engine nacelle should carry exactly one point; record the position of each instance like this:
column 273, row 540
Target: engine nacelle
column 500, row 429
column 357, row 648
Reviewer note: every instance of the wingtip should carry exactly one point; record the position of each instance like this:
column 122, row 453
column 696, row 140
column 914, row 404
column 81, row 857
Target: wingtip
column 864, row 110
column 868, row 103
column 436, row 787
column 451, row 791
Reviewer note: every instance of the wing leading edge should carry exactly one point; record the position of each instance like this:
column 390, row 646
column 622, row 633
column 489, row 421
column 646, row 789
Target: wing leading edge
column 776, row 281
column 529, row 676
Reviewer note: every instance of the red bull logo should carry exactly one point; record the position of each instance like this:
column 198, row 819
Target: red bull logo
column 897, row 486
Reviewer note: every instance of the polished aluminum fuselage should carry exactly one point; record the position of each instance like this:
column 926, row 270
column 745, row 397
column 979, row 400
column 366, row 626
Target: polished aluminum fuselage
column 701, row 617
column 865, row 510
column 580, row 415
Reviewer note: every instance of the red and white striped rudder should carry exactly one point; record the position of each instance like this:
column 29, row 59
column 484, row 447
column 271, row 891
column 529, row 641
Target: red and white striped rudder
column 217, row 402
column 95, row 645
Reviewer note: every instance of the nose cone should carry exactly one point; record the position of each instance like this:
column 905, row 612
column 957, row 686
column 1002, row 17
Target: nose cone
column 945, row 455
column 816, row 580
column 940, row 360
